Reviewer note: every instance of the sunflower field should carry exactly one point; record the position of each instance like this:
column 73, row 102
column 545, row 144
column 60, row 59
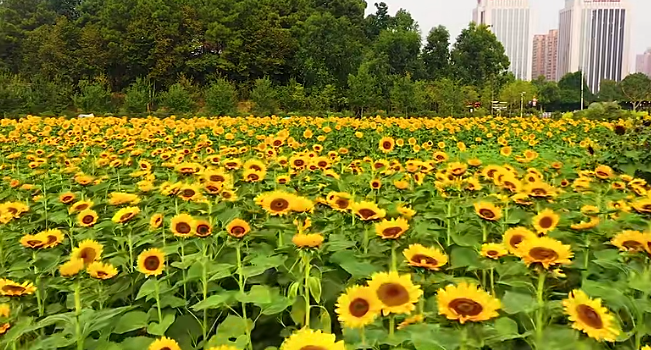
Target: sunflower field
column 304, row 233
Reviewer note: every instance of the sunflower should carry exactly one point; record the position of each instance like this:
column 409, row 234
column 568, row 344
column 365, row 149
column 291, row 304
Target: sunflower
column 87, row 218
column 229, row 195
column 125, row 214
column 418, row 318
column 546, row 221
column 396, row 293
column 88, row 251
column 544, row 250
column 386, row 144
column 603, row 172
column 401, row 184
column 183, row 225
column 213, row 187
column 277, row 202
column 632, row 241
column 14, row 289
column 67, row 198
column 467, row 302
column 51, row 238
column 375, row 184
column 189, row 192
column 188, row 168
column 238, row 228
column 202, row 228
column 488, row 211
column 594, row 222
column 590, row 317
column 420, row 256
column 252, row 175
column 71, row 267
column 101, row 270
column 223, row 347
column 307, row 240
column 164, row 343
column 506, row 151
column 513, row 237
column 80, row 206
column 32, row 241
column 119, row 198
column 358, row 307
column 307, row 339
column 283, row 179
column 218, row 175
column 589, row 210
column 5, row 311
column 155, row 221
column 151, row 262
column 406, row 212
column 368, row 211
column 391, row 229
column 339, row 201
column 642, row 206
column 493, row 250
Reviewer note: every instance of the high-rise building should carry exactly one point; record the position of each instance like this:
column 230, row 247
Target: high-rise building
column 545, row 55
column 511, row 22
column 594, row 37
column 643, row 63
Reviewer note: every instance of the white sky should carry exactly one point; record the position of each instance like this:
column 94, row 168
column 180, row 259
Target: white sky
column 456, row 14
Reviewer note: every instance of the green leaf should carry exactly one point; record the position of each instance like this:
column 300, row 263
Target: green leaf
column 131, row 321
column 233, row 327
column 136, row 343
column 506, row 328
column 277, row 305
column 515, row 302
column 463, row 257
column 147, row 288
column 219, row 271
column 314, row 285
column 215, row 301
column 258, row 295
column 159, row 329
column 357, row 268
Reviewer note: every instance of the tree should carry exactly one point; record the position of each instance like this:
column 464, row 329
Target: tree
column 363, row 90
column 448, row 96
column 478, row 57
column 139, row 96
column 93, row 97
column 518, row 94
column 570, row 86
column 401, row 47
column 221, row 97
column 609, row 91
column 636, row 88
column 379, row 21
column 177, row 99
column 406, row 95
column 548, row 92
column 264, row 97
column 436, row 53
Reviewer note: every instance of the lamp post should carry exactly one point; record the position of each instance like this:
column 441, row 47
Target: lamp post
column 522, row 103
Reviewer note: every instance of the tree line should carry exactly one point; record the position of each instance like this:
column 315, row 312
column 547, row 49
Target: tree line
column 280, row 55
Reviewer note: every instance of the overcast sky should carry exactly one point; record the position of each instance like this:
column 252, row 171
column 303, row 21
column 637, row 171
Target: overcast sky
column 456, row 14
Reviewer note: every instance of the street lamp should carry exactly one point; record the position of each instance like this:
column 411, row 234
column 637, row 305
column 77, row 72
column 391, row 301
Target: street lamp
column 522, row 103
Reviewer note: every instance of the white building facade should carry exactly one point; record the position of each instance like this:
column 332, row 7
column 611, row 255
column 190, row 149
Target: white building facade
column 594, row 37
column 511, row 22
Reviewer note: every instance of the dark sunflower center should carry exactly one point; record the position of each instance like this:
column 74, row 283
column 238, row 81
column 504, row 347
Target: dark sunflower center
column 646, row 207
column 34, row 243
column 101, row 274
column 188, row 192
column 440, row 157
column 589, row 316
column 378, row 165
column 313, row 347
column 342, row 203
column 366, row 213
column 386, row 145
column 217, row 178
column 126, row 217
column 546, row 222
column 255, row 167
column 516, row 240
column 66, row 199
column 602, row 174
column 238, row 230
column 82, row 207
column 299, row 162
column 279, row 204
column 491, row 172
column 254, row 177
column 51, row 239
column 183, row 228
column 375, row 184
column 391, row 231
column 12, row 210
column 152, row 263
column 88, row 219
column 539, row 192
column 226, row 195
column 465, row 307
column 203, row 230
column 13, row 289
column 486, row 213
column 492, row 253
column 359, row 307
column 633, row 245
column 88, row 255
column 322, row 164
column 393, row 294
column 540, row 253
column 424, row 260
column 282, row 180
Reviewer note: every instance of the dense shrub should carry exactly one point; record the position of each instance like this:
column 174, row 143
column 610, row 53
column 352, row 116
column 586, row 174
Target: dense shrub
column 221, row 97
column 93, row 97
column 139, row 96
column 177, row 99
column 264, row 97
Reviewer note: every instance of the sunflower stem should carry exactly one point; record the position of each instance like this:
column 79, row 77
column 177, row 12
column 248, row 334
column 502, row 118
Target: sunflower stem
column 464, row 337
column 392, row 325
column 130, row 244
column 157, row 292
column 449, row 224
column 204, row 281
column 241, row 283
column 185, row 288
column 80, row 340
column 366, row 239
column 37, row 282
column 362, row 334
column 541, row 308
column 394, row 259
column 306, row 287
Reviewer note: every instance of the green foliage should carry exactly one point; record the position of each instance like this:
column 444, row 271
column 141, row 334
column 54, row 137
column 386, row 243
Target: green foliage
column 406, row 95
column 177, row 99
column 221, row 97
column 265, row 97
column 93, row 97
column 293, row 97
column 363, row 88
column 636, row 88
column 610, row 91
column 570, row 86
column 518, row 93
column 139, row 96
column 436, row 53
